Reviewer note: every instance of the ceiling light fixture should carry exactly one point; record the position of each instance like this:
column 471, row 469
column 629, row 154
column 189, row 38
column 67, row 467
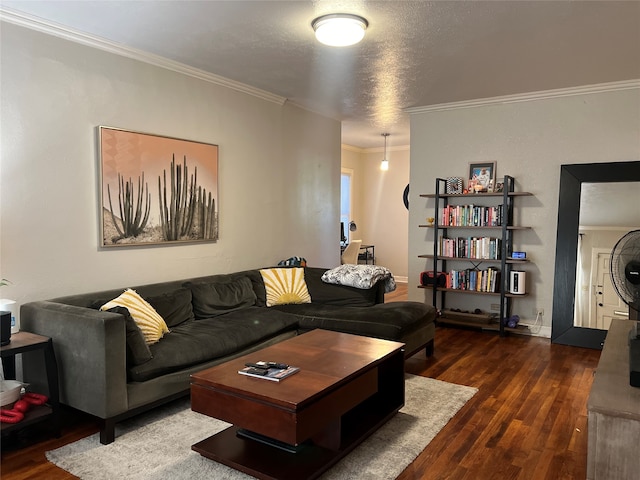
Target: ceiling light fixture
column 339, row 29
column 384, row 165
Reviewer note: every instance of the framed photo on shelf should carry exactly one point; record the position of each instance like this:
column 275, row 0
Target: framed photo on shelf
column 483, row 176
column 454, row 185
column 499, row 185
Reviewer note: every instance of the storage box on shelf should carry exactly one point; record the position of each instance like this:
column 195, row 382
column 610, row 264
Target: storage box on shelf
column 491, row 244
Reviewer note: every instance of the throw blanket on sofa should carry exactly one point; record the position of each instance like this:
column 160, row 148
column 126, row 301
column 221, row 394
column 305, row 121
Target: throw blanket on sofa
column 360, row 276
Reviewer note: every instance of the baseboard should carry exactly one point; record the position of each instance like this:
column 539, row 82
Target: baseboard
column 401, row 279
column 535, row 330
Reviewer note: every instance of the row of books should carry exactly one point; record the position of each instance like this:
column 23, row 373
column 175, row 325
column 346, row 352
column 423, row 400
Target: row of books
column 472, row 216
column 471, row 247
column 479, row 280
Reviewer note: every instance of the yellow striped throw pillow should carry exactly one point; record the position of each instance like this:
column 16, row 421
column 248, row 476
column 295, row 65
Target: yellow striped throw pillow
column 285, row 285
column 151, row 324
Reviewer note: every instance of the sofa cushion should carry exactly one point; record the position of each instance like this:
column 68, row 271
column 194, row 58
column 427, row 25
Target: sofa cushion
column 285, row 286
column 217, row 298
column 175, row 306
column 340, row 295
column 137, row 349
column 197, row 341
column 360, row 276
column 151, row 324
column 390, row 321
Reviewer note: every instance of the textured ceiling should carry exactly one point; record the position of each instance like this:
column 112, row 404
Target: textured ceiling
column 414, row 54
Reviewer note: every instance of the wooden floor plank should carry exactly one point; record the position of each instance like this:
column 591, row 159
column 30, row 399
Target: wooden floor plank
column 527, row 421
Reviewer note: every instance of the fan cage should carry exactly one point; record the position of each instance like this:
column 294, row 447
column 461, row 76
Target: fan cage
column 626, row 251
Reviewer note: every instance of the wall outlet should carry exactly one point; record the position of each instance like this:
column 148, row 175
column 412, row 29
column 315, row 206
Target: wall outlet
column 495, row 307
column 538, row 311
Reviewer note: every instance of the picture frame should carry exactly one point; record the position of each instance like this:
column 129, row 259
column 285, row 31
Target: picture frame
column 454, row 185
column 482, row 174
column 499, row 185
column 156, row 190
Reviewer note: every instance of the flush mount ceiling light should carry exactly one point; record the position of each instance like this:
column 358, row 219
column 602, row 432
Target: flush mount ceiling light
column 384, row 165
column 339, row 29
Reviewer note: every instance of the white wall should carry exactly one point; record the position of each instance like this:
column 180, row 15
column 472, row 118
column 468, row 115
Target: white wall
column 379, row 211
column 279, row 169
column 529, row 140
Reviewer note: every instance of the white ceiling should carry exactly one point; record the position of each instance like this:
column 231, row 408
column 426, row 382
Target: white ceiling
column 596, row 200
column 415, row 53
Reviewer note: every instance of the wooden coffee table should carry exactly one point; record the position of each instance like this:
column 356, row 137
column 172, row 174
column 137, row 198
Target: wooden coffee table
column 347, row 387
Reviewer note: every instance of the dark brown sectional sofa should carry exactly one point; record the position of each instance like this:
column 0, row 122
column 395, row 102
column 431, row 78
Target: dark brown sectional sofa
column 211, row 319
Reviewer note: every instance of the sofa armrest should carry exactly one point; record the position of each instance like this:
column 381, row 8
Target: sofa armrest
column 90, row 349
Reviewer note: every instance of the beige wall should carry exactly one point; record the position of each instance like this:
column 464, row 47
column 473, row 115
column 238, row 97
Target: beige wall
column 378, row 208
column 529, row 140
column 279, row 170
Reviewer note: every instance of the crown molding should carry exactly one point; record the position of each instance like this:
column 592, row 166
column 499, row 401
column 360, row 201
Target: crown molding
column 50, row 28
column 529, row 97
column 351, row 148
column 396, row 148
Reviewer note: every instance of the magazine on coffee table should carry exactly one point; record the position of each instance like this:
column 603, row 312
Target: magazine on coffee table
column 274, row 374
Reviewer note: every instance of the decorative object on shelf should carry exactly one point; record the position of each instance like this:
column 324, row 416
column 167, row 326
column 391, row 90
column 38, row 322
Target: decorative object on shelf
column 433, row 278
column 384, row 165
column 178, row 209
column 483, row 174
column 430, row 220
column 499, row 185
column 339, row 29
column 454, row 185
column 517, row 282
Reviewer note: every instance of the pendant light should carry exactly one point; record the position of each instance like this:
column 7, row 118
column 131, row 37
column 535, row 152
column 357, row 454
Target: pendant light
column 384, row 165
column 339, row 29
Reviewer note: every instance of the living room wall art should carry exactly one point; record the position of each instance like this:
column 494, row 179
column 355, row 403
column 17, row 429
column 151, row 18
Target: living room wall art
column 156, row 189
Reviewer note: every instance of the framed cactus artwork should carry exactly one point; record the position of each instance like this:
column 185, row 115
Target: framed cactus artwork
column 156, row 189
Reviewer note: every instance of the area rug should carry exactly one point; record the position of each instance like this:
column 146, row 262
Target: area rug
column 157, row 445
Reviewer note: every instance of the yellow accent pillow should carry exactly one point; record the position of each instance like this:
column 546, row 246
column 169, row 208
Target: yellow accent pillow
column 151, row 324
column 285, row 285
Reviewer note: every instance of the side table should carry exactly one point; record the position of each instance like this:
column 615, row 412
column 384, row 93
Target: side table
column 22, row 342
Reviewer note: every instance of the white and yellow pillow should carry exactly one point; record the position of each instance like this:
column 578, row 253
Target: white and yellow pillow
column 285, row 286
column 151, row 324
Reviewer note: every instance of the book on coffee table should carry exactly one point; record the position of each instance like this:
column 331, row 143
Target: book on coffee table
column 273, row 374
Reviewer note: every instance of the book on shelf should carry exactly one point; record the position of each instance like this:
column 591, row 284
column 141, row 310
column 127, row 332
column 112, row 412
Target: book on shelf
column 472, row 216
column 476, row 248
column 274, row 374
column 478, row 280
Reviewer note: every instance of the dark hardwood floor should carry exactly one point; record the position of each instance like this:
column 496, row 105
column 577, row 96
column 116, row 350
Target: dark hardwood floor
column 527, row 421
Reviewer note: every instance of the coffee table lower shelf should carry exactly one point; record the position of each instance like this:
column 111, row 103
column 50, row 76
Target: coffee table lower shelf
column 272, row 463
